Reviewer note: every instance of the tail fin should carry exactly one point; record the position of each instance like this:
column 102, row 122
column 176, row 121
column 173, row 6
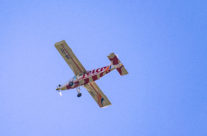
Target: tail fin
column 115, row 61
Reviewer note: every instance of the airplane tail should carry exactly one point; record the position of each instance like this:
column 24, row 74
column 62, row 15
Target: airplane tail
column 115, row 61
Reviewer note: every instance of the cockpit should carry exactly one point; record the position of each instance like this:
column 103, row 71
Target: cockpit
column 77, row 77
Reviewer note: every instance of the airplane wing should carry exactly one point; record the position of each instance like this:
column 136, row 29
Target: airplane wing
column 70, row 57
column 97, row 94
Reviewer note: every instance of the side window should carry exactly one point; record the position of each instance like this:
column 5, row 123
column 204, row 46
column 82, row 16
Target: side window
column 74, row 77
column 70, row 83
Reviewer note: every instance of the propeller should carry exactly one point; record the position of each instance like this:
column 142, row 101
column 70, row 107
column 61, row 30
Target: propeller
column 59, row 91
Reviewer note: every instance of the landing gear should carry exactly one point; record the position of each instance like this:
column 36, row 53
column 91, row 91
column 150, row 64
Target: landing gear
column 79, row 93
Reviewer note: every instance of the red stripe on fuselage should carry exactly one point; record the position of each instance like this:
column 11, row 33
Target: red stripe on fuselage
column 76, row 83
column 67, row 86
column 108, row 71
column 101, row 74
column 94, row 77
column 86, row 80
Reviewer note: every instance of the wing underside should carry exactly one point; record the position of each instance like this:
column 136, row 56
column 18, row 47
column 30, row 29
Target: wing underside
column 70, row 57
column 97, row 94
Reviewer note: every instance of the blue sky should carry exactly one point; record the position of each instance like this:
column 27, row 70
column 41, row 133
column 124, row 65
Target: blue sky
column 161, row 43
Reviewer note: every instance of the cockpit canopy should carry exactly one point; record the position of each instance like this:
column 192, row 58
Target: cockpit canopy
column 74, row 78
column 77, row 76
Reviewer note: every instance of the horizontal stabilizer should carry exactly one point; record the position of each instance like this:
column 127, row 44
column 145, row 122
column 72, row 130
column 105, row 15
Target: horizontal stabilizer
column 115, row 61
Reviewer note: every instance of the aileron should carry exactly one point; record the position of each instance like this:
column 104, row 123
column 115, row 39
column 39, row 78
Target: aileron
column 97, row 94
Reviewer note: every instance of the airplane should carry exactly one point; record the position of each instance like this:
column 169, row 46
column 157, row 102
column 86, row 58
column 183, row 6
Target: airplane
column 87, row 78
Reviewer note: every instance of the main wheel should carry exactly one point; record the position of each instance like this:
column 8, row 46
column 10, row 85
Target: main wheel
column 79, row 95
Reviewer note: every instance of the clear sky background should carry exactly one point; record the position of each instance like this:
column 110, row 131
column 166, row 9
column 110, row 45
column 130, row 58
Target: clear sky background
column 162, row 43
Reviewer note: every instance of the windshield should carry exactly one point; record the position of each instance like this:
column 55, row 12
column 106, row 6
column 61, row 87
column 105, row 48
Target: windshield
column 74, row 78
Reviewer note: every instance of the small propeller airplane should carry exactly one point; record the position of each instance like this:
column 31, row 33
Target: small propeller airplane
column 87, row 78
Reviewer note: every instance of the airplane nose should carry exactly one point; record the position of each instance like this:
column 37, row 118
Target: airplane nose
column 58, row 88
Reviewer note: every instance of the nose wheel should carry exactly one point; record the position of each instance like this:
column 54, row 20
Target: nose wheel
column 79, row 93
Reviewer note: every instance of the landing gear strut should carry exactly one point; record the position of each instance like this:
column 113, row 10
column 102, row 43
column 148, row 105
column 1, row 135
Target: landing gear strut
column 79, row 93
